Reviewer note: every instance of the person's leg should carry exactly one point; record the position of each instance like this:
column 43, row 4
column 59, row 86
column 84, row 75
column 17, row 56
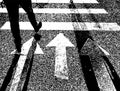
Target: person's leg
column 27, row 6
column 13, row 14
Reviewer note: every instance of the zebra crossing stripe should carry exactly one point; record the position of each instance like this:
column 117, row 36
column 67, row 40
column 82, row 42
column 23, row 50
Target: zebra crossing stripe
column 25, row 49
column 61, row 10
column 67, row 26
column 62, row 1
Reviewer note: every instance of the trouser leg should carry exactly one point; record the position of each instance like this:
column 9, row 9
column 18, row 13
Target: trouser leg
column 13, row 14
column 27, row 6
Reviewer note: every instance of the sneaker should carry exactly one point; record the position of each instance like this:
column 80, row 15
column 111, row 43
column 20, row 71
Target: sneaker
column 18, row 45
column 37, row 37
column 38, row 27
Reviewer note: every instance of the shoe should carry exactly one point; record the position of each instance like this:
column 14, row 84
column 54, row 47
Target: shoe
column 38, row 27
column 18, row 45
column 37, row 37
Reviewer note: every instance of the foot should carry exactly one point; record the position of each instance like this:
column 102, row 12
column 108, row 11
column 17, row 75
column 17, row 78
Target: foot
column 38, row 27
column 18, row 45
column 37, row 37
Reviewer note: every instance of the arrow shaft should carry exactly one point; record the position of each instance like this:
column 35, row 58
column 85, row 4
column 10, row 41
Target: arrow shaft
column 18, row 72
column 9, row 73
column 61, row 69
column 25, row 49
column 61, row 42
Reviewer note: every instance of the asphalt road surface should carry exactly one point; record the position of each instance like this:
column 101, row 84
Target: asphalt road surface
column 42, row 76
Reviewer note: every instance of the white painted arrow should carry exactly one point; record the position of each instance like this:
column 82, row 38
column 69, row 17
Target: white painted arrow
column 104, row 51
column 38, row 50
column 60, row 42
column 25, row 49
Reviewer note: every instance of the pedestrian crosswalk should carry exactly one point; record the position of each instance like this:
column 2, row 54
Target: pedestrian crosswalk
column 67, row 26
column 60, row 11
column 110, row 26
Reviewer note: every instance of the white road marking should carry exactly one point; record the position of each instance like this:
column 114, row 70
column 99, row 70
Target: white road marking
column 18, row 72
column 61, row 10
column 60, row 42
column 104, row 51
column 68, row 26
column 20, row 65
column 25, row 49
column 62, row 1
column 38, row 50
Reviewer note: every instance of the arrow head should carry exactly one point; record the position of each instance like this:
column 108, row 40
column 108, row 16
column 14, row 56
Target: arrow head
column 38, row 50
column 26, row 46
column 104, row 51
column 60, row 40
